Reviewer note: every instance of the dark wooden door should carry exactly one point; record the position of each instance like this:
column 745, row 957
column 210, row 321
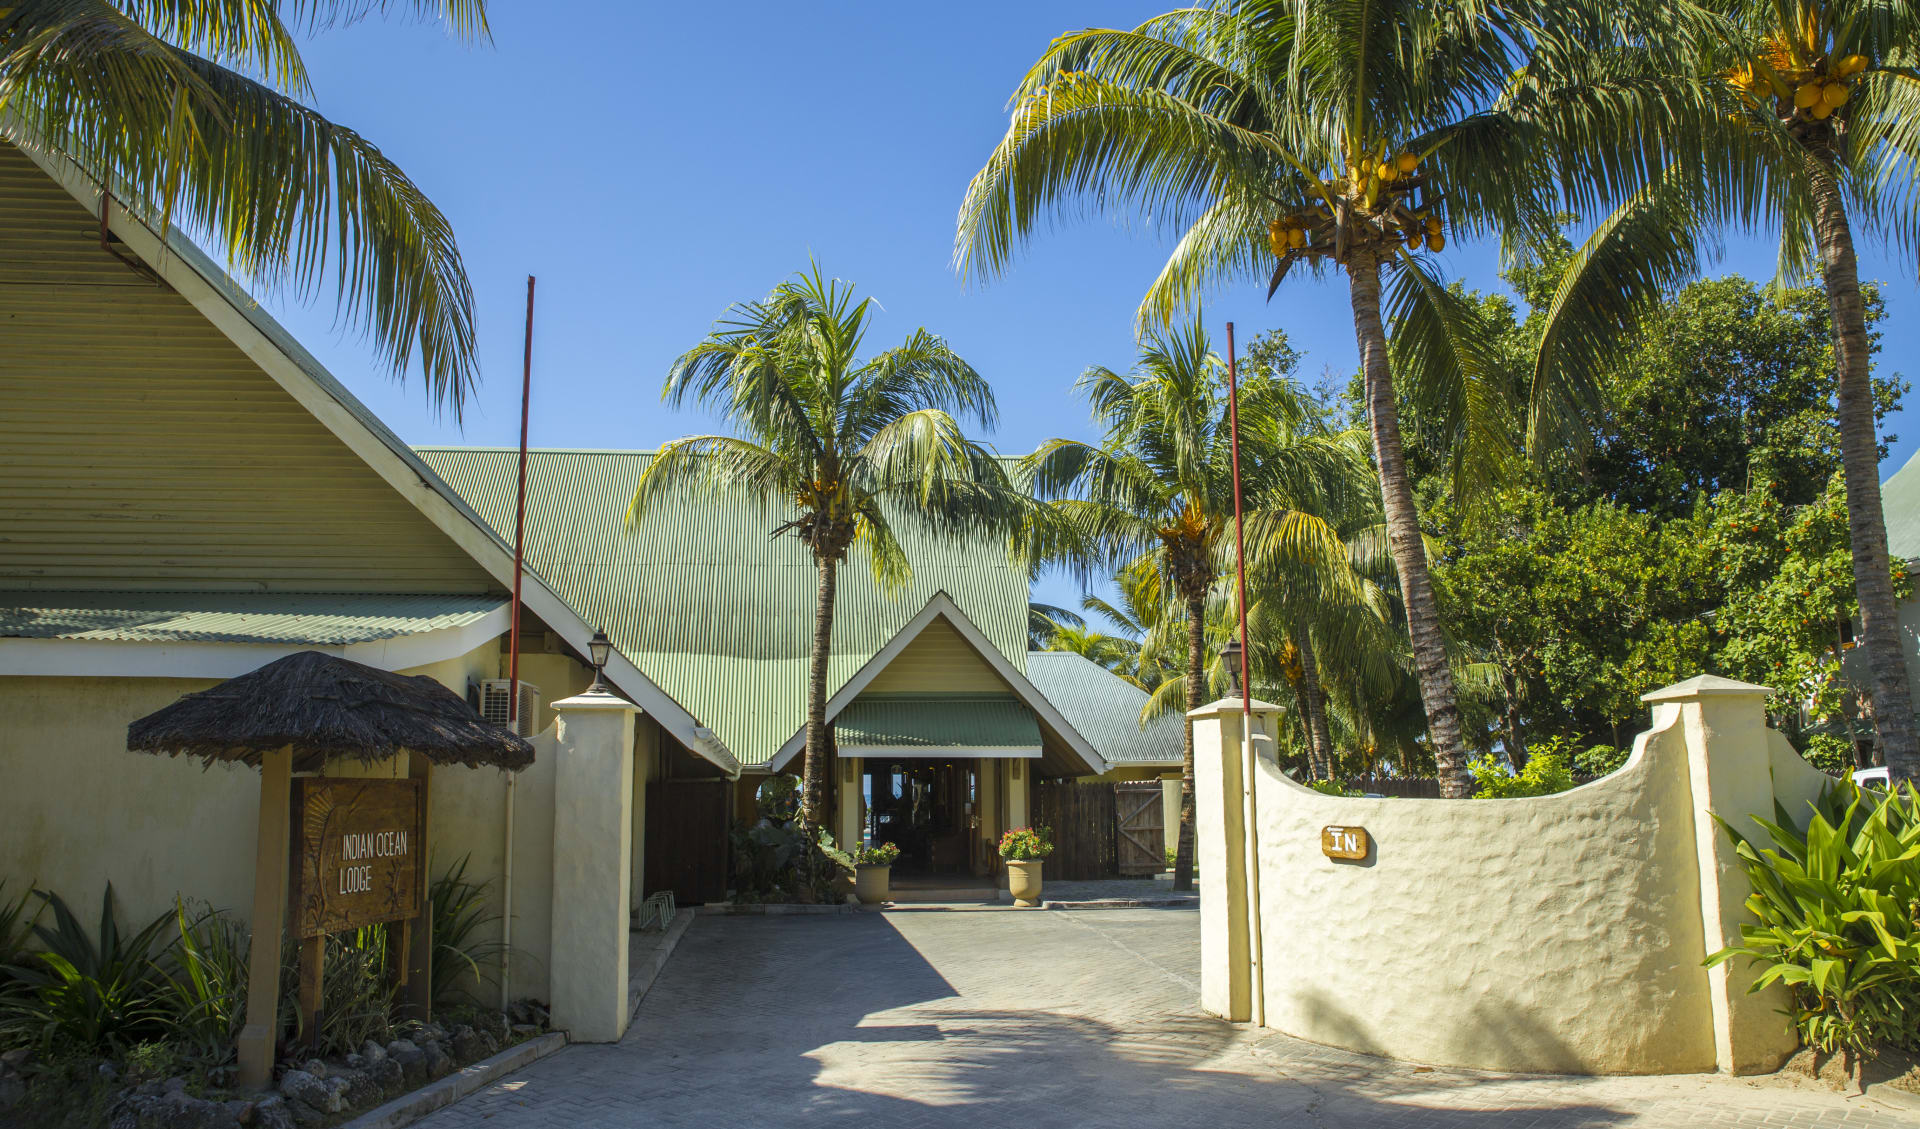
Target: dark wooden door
column 1142, row 829
column 687, row 839
column 1084, row 823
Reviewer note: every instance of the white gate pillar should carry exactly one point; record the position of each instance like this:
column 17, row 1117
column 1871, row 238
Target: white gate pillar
column 592, row 865
column 1224, row 845
column 1731, row 773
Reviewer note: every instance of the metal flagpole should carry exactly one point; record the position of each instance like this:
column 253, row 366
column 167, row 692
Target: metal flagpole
column 513, row 657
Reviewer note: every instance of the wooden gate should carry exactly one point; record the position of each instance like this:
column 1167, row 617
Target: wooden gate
column 687, row 839
column 1142, row 827
column 1083, row 818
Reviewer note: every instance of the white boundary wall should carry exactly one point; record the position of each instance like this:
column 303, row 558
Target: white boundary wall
column 1563, row 933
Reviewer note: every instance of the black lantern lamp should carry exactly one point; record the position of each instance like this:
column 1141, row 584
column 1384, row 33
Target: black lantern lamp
column 1235, row 663
column 599, row 648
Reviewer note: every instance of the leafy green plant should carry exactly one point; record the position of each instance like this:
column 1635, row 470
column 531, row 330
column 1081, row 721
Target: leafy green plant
column 462, row 916
column 16, row 926
column 1829, row 752
column 150, row 1061
column 1835, row 905
column 204, row 996
column 1546, row 772
column 96, row 992
column 880, row 854
column 356, row 993
column 1024, row 843
column 1599, row 760
column 1332, row 788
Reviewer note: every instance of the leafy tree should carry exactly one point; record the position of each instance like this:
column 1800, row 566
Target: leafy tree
column 855, row 449
column 1342, row 136
column 1579, row 611
column 192, row 109
column 1785, row 616
column 1725, row 385
column 1161, row 482
column 1815, row 129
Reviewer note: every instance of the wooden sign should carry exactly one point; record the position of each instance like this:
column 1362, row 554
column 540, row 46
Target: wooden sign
column 359, row 849
column 1344, row 842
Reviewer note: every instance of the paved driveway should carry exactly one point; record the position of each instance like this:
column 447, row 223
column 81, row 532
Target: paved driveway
column 1035, row 1019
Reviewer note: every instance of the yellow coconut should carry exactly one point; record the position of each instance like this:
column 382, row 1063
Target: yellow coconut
column 1407, row 162
column 1851, row 65
column 1821, row 112
column 1414, row 241
column 1433, row 225
column 1807, row 96
column 1834, row 94
column 1297, row 237
column 1436, row 241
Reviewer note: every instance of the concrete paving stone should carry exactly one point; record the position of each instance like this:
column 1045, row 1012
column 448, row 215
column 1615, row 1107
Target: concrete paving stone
column 1044, row 1018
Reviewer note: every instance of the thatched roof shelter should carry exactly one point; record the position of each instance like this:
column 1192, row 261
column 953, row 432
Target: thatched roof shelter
column 327, row 708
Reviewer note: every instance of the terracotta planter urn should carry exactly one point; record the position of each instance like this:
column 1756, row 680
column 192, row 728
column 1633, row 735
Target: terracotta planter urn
column 870, row 883
column 1023, row 881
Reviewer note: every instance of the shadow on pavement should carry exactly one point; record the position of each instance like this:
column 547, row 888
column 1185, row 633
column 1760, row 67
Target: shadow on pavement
column 842, row 1019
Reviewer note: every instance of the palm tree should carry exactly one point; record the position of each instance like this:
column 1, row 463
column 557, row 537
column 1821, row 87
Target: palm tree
column 1335, row 134
column 1818, row 129
column 849, row 450
column 1161, row 482
column 1142, row 618
column 191, row 110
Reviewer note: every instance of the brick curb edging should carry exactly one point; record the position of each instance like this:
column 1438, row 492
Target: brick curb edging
column 774, row 909
column 640, row 980
column 1125, row 903
column 408, row 1108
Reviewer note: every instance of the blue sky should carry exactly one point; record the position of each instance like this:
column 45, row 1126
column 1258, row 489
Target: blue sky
column 653, row 163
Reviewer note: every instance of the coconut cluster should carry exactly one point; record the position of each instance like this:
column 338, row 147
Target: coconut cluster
column 1381, row 196
column 1808, row 85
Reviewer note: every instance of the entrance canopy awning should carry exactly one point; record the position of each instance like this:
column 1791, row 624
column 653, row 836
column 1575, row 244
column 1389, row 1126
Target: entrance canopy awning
column 937, row 726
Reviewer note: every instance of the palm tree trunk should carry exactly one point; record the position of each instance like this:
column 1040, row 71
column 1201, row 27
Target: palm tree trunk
column 1403, row 532
column 1319, row 738
column 1893, row 719
column 818, row 765
column 1196, row 697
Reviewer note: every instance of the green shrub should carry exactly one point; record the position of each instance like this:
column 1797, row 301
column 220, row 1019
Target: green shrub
column 1835, row 905
column 1829, row 752
column 1546, row 772
column 356, row 991
column 1333, row 788
column 204, row 997
column 93, row 993
column 1601, row 759
column 462, row 916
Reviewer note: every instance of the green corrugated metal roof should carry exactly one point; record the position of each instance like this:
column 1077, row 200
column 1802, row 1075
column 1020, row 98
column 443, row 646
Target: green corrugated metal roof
column 718, row 614
column 1105, row 708
column 1900, row 504
column 921, row 721
column 323, row 619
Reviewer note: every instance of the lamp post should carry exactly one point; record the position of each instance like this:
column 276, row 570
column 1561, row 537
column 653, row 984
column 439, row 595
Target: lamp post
column 1234, row 659
column 599, row 648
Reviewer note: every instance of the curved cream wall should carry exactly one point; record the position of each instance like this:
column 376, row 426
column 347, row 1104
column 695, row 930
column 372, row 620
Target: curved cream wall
column 1558, row 933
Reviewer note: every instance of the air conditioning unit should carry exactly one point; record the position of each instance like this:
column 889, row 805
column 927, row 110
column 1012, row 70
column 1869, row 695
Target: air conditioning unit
column 497, row 693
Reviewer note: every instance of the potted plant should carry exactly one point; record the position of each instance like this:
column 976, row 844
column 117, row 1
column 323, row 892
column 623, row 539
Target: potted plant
column 1025, row 848
column 872, row 869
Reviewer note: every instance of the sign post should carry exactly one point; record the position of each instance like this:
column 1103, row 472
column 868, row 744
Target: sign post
column 357, row 851
column 261, row 1031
